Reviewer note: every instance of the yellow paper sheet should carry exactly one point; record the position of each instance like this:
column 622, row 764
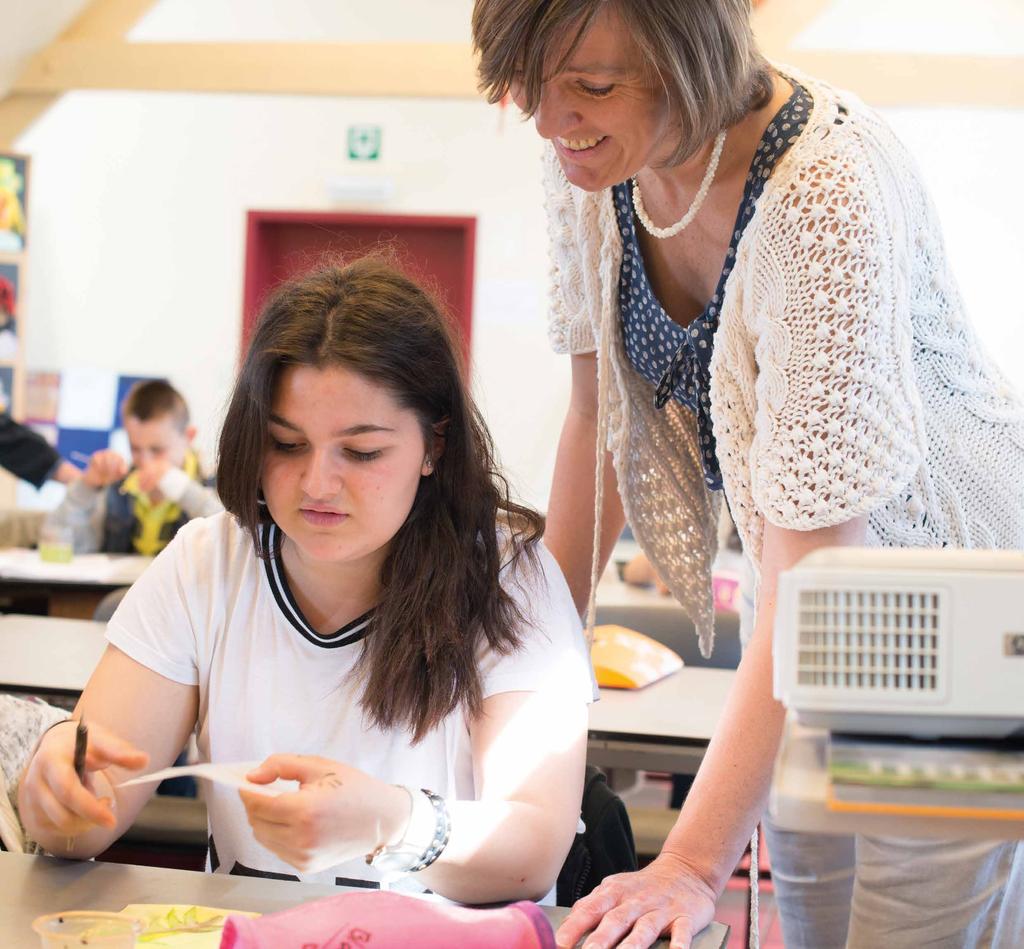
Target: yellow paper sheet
column 177, row 926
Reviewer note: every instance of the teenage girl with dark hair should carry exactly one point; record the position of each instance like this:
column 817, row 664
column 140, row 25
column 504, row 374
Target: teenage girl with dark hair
column 371, row 616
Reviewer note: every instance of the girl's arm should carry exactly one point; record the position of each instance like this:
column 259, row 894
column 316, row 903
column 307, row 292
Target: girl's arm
column 529, row 750
column 570, row 525
column 677, row 892
column 135, row 717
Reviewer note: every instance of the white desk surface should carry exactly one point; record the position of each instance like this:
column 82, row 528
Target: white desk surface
column 113, row 570
column 684, row 707
column 48, row 653
column 31, row 886
column 53, row 654
column 798, row 794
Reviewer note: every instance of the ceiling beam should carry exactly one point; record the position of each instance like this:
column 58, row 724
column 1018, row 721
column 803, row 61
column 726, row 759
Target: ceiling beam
column 777, row 23
column 18, row 110
column 919, row 79
column 333, row 69
column 447, row 70
column 107, row 19
column 100, row 20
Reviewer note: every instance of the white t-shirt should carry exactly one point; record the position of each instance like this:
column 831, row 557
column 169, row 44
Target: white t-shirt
column 209, row 612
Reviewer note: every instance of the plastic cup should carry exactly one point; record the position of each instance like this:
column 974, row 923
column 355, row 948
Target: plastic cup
column 76, row 929
column 56, row 544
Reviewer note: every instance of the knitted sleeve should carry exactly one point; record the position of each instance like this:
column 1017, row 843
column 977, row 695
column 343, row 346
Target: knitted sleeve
column 574, row 301
column 838, row 423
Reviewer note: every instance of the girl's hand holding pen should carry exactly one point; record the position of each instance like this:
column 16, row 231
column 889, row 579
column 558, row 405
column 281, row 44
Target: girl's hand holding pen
column 59, row 798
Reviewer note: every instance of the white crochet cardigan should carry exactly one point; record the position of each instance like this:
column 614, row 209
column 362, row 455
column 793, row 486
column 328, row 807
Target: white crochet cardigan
column 845, row 378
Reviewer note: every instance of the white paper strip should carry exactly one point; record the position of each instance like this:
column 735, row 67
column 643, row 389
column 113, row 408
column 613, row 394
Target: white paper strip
column 232, row 774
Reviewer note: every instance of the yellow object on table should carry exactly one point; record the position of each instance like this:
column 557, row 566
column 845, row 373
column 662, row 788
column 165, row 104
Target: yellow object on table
column 172, row 926
column 626, row 659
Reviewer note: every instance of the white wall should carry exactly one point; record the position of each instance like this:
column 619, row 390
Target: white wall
column 138, row 236
column 139, row 199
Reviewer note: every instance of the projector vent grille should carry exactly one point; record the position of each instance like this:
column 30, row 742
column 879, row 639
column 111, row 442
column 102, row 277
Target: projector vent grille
column 869, row 640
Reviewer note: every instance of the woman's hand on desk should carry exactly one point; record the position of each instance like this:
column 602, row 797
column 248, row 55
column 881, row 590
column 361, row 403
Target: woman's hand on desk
column 52, row 799
column 631, row 910
column 338, row 813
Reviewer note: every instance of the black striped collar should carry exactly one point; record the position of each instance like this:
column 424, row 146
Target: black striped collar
column 350, row 633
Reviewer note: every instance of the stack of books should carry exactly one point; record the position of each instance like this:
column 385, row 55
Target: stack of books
column 978, row 779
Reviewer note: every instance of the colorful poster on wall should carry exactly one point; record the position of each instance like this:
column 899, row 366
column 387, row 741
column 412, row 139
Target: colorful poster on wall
column 10, row 297
column 42, row 396
column 13, row 203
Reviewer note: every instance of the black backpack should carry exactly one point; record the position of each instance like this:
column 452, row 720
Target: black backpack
column 604, row 848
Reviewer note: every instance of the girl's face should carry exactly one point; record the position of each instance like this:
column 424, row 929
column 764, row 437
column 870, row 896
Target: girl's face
column 605, row 116
column 344, row 463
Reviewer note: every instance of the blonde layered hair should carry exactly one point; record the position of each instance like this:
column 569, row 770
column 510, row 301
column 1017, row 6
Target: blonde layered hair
column 702, row 52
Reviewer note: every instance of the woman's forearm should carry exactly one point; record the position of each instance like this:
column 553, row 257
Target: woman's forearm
column 729, row 794
column 731, row 789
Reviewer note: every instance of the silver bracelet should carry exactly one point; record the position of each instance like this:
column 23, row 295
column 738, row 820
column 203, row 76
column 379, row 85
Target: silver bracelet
column 442, row 831
column 429, row 814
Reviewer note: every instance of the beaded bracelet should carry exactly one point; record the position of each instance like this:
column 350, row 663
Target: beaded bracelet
column 442, row 831
column 406, row 856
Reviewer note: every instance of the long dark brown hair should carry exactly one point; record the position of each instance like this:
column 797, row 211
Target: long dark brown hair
column 442, row 599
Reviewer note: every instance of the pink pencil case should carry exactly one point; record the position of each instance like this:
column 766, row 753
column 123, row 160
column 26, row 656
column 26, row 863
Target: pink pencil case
column 390, row 921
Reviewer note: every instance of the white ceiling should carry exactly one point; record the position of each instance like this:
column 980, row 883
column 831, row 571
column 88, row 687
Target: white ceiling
column 964, row 27
column 352, row 21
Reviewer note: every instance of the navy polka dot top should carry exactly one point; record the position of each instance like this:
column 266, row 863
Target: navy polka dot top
column 676, row 359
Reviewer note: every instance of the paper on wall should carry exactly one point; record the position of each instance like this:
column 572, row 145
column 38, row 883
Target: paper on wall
column 87, row 399
column 231, row 774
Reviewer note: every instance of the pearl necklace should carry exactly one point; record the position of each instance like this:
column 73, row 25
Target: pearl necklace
column 702, row 193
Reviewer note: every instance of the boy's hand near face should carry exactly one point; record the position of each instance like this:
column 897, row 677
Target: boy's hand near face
column 105, row 467
column 150, row 473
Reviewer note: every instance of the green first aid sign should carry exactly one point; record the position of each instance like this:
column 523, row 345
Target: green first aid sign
column 364, row 142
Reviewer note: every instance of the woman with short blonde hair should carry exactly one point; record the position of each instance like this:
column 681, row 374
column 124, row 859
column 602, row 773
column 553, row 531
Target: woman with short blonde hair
column 749, row 278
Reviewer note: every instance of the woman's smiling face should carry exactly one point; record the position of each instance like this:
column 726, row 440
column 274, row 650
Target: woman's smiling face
column 606, row 115
column 343, row 466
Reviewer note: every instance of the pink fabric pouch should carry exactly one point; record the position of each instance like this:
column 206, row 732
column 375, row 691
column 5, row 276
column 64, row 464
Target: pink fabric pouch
column 390, row 921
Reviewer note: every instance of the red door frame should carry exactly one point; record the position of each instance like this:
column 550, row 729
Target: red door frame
column 263, row 269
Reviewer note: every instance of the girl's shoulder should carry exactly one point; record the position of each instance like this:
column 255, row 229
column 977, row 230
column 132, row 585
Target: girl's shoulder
column 207, row 548
column 535, row 580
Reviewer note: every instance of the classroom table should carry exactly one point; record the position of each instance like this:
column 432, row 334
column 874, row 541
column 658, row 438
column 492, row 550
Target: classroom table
column 48, row 656
column 663, row 727
column 72, row 589
column 662, row 618
column 31, row 886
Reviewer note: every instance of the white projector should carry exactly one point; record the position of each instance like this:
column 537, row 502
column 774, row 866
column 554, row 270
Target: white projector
column 925, row 643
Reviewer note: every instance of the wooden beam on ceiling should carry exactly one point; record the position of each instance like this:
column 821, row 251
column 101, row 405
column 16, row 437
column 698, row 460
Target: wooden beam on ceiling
column 915, row 80
column 333, row 69
column 777, row 23
column 888, row 79
column 107, row 19
column 100, row 20
column 18, row 110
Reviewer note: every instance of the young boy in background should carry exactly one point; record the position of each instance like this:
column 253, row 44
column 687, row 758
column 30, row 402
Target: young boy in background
column 116, row 510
